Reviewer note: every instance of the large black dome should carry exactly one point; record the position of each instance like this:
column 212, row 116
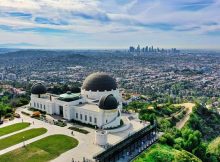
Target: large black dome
column 99, row 82
column 108, row 102
column 38, row 88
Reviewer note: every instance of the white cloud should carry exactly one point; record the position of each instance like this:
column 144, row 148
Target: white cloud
column 109, row 18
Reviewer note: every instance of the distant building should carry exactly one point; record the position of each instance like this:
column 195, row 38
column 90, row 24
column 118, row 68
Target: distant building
column 151, row 49
column 138, row 48
column 11, row 76
column 131, row 49
column 1, row 76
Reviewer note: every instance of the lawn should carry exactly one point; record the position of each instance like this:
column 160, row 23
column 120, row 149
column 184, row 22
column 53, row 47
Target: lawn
column 13, row 128
column 42, row 150
column 165, row 153
column 20, row 137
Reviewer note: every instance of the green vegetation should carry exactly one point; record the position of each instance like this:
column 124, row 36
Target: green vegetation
column 19, row 101
column 20, row 137
column 63, row 88
column 4, row 107
column 79, row 130
column 202, row 126
column 60, row 123
column 206, row 121
column 13, row 128
column 42, row 150
column 213, row 149
column 7, row 105
column 163, row 153
column 166, row 115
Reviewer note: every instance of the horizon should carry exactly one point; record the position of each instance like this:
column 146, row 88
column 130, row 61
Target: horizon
column 100, row 49
column 112, row 24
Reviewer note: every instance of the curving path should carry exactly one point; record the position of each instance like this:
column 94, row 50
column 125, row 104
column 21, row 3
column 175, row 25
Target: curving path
column 183, row 121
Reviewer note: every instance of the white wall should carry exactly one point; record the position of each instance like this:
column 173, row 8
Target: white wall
column 70, row 109
column 98, row 94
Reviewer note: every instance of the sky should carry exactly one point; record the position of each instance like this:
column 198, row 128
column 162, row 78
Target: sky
column 109, row 24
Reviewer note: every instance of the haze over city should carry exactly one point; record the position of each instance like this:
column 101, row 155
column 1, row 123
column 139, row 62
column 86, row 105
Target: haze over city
column 81, row 24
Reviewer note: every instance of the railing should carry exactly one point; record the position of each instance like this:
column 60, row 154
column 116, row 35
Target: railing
column 125, row 141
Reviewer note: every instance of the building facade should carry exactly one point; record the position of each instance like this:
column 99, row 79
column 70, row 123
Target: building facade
column 99, row 102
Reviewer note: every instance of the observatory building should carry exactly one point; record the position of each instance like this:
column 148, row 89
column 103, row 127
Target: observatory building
column 99, row 102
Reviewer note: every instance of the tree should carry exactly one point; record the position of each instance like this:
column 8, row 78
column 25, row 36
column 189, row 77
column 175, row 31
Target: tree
column 4, row 109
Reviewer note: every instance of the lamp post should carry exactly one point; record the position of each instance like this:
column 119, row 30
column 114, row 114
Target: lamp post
column 23, row 142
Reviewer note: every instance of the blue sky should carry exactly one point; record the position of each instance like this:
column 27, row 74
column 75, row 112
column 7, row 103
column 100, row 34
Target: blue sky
column 80, row 24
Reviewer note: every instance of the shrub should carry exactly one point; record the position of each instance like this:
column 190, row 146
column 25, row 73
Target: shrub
column 25, row 113
column 60, row 123
column 8, row 115
column 79, row 130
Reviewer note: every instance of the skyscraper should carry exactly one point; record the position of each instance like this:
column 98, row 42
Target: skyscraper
column 138, row 48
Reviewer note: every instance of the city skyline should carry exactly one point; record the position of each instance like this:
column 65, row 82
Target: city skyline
column 95, row 24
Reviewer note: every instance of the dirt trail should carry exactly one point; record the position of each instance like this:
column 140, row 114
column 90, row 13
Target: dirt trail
column 182, row 122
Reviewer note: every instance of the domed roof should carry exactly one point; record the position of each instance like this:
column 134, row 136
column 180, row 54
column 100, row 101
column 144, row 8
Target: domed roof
column 38, row 88
column 99, row 82
column 68, row 96
column 108, row 102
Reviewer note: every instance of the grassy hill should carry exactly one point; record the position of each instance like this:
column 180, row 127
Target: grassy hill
column 164, row 153
column 214, row 148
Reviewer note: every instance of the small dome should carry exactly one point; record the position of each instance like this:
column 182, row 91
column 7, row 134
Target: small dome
column 108, row 102
column 38, row 88
column 99, row 82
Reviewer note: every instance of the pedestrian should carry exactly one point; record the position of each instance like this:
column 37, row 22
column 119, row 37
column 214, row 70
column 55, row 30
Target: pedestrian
column 72, row 160
column 33, row 122
column 22, row 120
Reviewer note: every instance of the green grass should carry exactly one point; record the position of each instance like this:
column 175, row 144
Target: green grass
column 20, row 137
column 164, row 153
column 13, row 128
column 42, row 150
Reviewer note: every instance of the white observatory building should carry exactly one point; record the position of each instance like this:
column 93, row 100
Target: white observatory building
column 99, row 102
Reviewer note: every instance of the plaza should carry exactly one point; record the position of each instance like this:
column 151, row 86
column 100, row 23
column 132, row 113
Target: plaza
column 86, row 147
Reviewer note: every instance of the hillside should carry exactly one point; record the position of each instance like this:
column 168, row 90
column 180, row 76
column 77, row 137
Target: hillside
column 206, row 121
column 164, row 153
column 214, row 148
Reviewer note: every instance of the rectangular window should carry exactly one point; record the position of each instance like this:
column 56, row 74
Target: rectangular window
column 95, row 120
column 44, row 107
column 81, row 116
column 37, row 105
column 76, row 115
column 34, row 104
column 90, row 119
column 41, row 106
column 85, row 117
